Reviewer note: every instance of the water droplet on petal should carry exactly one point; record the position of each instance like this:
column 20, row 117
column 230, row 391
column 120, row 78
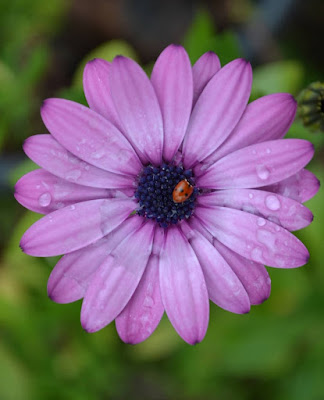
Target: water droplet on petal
column 268, row 151
column 45, row 199
column 261, row 221
column 280, row 261
column 256, row 254
column 250, row 195
column 73, row 175
column 148, row 302
column 149, row 289
column 145, row 317
column 262, row 172
column 268, row 239
column 272, row 202
column 98, row 154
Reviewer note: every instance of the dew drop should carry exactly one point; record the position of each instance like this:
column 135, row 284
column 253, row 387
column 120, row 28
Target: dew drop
column 256, row 254
column 261, row 221
column 262, row 172
column 148, row 302
column 149, row 289
column 250, row 195
column 280, row 262
column 267, row 238
column 145, row 317
column 272, row 202
column 124, row 156
column 73, row 175
column 98, row 154
column 45, row 199
column 268, row 151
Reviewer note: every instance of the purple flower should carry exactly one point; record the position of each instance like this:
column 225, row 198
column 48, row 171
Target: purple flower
column 106, row 186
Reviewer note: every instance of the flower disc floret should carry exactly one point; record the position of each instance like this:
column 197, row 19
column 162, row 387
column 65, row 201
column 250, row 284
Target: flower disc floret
column 154, row 194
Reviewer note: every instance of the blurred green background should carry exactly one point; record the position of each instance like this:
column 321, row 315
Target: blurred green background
column 276, row 351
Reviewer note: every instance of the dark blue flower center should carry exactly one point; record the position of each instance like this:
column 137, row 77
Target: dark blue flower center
column 154, row 194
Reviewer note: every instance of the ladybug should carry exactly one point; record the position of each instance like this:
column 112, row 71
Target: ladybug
column 182, row 191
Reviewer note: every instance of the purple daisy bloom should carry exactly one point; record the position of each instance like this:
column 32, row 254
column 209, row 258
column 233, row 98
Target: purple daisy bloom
column 107, row 181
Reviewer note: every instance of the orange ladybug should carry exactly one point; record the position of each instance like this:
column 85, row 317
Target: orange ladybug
column 182, row 191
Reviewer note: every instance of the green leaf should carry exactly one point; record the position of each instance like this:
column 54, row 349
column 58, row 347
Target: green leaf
column 300, row 131
column 202, row 38
column 108, row 51
column 281, row 76
column 14, row 378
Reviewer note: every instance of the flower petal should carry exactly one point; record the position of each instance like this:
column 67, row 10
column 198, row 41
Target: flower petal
column 217, row 111
column 253, row 237
column 89, row 136
column 116, row 279
column 172, row 80
column 301, row 186
column 183, row 288
column 45, row 151
column 138, row 109
column 286, row 212
column 258, row 165
column 202, row 71
column 43, row 192
column 144, row 310
column 196, row 225
column 73, row 273
column 224, row 287
column 267, row 118
column 75, row 226
column 254, row 276
column 97, row 89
